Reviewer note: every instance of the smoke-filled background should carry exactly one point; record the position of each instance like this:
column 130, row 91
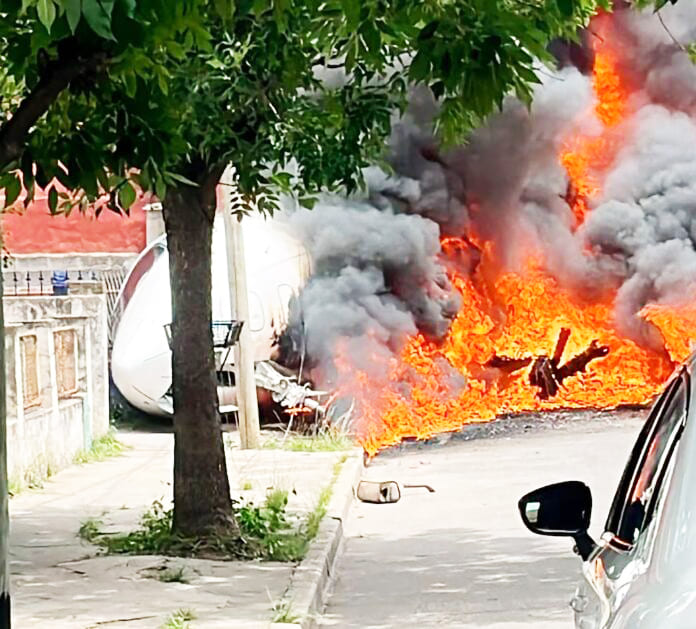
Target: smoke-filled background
column 379, row 272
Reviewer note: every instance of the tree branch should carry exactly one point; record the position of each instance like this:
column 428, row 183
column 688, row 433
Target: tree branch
column 671, row 35
column 13, row 133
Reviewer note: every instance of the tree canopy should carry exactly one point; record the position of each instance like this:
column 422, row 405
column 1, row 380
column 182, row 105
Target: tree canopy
column 147, row 84
column 102, row 96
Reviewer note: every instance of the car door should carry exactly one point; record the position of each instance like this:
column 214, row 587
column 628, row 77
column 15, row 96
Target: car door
column 624, row 553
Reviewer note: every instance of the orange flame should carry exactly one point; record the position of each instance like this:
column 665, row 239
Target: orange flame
column 583, row 157
column 422, row 394
column 432, row 388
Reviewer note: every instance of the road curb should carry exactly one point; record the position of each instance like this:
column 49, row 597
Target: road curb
column 306, row 594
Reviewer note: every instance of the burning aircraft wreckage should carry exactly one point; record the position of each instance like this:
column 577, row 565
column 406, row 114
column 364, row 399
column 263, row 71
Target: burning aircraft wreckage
column 548, row 263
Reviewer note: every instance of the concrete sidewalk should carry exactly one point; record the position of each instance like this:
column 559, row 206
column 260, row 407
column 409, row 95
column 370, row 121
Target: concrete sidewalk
column 59, row 582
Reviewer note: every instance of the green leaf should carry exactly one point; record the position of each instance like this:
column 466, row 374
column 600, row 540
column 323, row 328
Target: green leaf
column 130, row 7
column 126, row 195
column 181, row 179
column 428, row 31
column 131, row 83
column 371, row 36
column 225, row 8
column 308, row 202
column 13, row 187
column 98, row 15
column 260, row 6
column 565, row 7
column 351, row 8
column 420, row 66
column 160, row 189
column 162, row 82
column 47, row 13
column 53, row 199
column 73, row 11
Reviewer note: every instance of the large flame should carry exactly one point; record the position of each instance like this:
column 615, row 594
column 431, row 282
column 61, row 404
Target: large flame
column 422, row 394
column 585, row 157
column 432, row 388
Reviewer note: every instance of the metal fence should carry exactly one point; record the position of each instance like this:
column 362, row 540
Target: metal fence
column 32, row 283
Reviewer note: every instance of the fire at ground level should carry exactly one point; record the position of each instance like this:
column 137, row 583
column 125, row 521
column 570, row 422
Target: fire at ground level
column 517, row 345
column 567, row 236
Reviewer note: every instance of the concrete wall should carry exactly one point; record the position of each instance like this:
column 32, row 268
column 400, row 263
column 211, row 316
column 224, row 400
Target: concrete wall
column 46, row 435
column 85, row 262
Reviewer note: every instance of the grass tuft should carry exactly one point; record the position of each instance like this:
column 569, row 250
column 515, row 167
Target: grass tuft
column 326, row 440
column 103, row 448
column 282, row 612
column 179, row 619
column 173, row 575
column 267, row 531
column 90, row 530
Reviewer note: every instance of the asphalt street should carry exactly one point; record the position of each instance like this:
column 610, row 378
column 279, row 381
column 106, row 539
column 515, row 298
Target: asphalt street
column 460, row 557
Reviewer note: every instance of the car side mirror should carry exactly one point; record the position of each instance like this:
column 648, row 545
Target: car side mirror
column 562, row 509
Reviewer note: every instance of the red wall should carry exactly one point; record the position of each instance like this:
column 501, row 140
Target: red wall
column 36, row 231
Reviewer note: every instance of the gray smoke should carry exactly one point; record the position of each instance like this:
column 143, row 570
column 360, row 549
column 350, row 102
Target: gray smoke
column 377, row 280
column 379, row 275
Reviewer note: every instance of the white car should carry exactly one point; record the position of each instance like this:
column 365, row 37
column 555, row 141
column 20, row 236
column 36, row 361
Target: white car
column 641, row 574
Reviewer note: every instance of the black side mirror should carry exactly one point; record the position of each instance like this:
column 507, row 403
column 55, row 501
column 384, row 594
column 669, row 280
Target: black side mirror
column 562, row 509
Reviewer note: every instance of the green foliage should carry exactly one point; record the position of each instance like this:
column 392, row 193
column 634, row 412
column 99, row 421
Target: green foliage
column 85, row 55
column 656, row 4
column 173, row 575
column 182, row 87
column 270, row 525
column 691, row 50
column 154, row 537
column 323, row 441
column 179, row 619
column 90, row 530
column 282, row 612
column 102, row 448
column 267, row 531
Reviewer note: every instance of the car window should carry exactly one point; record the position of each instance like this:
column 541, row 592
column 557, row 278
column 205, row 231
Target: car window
column 636, row 499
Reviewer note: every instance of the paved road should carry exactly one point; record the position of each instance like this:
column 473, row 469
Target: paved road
column 461, row 557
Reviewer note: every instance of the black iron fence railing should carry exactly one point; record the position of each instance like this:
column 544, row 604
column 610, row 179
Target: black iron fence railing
column 58, row 282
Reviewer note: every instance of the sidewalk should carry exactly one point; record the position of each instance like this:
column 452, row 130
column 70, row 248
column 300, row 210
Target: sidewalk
column 59, row 582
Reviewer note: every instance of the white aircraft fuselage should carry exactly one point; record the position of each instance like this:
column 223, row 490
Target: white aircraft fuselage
column 277, row 268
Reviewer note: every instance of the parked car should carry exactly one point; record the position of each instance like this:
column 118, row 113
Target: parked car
column 641, row 574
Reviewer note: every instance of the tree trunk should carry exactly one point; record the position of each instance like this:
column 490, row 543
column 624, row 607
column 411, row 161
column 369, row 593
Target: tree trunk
column 201, row 488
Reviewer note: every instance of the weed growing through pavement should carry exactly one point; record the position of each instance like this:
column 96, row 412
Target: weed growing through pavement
column 282, row 612
column 33, row 477
column 179, row 619
column 267, row 531
column 326, row 440
column 102, row 448
column 90, row 530
column 173, row 575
